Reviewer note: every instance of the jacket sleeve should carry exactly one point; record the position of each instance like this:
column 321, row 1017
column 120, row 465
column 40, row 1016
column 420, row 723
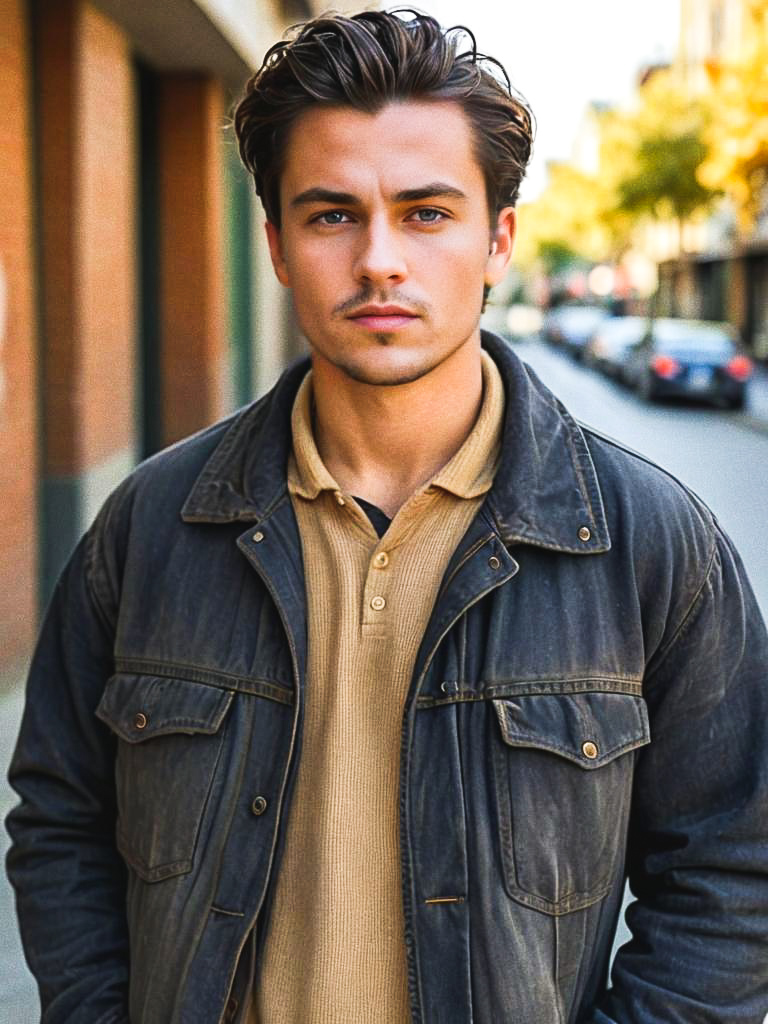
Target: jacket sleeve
column 63, row 864
column 698, row 844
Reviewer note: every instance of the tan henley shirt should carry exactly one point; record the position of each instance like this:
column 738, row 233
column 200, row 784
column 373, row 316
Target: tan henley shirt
column 335, row 953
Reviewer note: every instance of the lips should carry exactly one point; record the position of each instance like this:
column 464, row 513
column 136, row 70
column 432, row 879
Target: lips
column 383, row 318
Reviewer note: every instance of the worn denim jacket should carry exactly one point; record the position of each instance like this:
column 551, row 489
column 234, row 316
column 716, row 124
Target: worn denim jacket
column 590, row 702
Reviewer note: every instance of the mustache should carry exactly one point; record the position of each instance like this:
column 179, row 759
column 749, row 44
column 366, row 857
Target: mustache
column 371, row 295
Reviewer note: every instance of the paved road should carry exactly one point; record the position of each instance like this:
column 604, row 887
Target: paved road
column 723, row 460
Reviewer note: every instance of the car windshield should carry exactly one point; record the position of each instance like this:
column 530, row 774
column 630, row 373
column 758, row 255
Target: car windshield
column 682, row 338
column 629, row 329
column 581, row 316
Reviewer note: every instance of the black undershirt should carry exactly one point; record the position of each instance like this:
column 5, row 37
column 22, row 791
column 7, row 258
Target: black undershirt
column 379, row 520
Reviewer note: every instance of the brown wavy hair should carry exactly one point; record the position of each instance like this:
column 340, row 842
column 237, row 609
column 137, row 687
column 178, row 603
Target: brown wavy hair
column 367, row 61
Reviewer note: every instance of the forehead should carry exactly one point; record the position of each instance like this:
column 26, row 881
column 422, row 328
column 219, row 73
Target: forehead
column 403, row 145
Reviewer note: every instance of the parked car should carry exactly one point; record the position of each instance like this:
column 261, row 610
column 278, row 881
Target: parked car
column 572, row 326
column 689, row 359
column 609, row 347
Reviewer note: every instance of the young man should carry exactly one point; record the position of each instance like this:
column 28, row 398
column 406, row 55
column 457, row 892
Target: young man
column 361, row 706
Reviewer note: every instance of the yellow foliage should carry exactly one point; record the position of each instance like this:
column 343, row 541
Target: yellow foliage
column 581, row 210
column 738, row 131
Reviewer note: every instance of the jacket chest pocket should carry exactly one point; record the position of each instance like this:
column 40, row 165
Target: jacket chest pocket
column 563, row 779
column 170, row 735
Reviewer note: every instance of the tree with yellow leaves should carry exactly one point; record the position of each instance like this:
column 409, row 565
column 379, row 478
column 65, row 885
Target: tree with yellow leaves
column 737, row 133
column 649, row 156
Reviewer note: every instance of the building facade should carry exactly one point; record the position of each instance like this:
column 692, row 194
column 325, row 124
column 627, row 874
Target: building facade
column 725, row 276
column 137, row 303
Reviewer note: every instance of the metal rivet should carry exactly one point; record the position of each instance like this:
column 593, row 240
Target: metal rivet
column 494, row 562
column 140, row 721
column 258, row 536
column 448, row 687
column 589, row 750
column 381, row 561
column 259, row 805
column 377, row 603
column 585, row 533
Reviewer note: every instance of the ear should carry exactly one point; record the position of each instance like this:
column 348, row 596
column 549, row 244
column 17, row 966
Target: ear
column 276, row 254
column 502, row 243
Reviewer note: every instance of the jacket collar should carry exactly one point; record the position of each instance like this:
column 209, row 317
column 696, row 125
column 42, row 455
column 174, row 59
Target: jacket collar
column 545, row 491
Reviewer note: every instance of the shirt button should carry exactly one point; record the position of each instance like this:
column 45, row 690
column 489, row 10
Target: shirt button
column 377, row 603
column 259, row 805
column 140, row 721
column 589, row 750
column 585, row 533
column 340, row 499
column 381, row 561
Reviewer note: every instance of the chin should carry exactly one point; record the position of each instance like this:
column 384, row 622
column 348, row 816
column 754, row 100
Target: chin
column 384, row 377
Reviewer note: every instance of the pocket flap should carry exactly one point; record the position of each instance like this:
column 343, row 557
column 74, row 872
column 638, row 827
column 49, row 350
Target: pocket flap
column 589, row 729
column 139, row 707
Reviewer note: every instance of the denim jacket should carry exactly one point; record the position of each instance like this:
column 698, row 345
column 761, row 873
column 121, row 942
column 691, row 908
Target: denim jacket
column 589, row 703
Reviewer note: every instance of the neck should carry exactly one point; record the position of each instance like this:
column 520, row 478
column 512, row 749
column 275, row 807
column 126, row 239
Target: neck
column 383, row 443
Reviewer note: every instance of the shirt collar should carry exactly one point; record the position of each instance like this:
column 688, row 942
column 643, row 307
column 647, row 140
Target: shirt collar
column 468, row 474
column 307, row 474
column 545, row 492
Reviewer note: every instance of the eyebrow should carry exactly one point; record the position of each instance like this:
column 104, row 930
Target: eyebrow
column 434, row 190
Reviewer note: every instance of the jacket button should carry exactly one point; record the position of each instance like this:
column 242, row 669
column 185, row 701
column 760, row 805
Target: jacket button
column 494, row 562
column 585, row 533
column 258, row 537
column 589, row 750
column 259, row 805
column 140, row 721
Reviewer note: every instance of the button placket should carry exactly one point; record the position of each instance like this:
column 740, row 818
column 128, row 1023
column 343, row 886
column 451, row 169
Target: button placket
column 376, row 611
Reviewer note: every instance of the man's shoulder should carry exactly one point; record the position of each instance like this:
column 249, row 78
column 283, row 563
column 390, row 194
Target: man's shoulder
column 649, row 502
column 171, row 472
column 155, row 491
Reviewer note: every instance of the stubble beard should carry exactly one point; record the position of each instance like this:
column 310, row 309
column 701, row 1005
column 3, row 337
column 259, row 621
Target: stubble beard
column 393, row 379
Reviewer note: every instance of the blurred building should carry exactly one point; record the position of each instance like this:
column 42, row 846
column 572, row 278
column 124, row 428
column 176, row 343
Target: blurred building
column 710, row 30
column 137, row 303
column 724, row 274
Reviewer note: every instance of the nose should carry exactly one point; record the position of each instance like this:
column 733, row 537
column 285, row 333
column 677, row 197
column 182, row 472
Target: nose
column 381, row 258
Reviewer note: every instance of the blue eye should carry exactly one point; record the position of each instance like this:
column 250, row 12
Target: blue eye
column 428, row 215
column 332, row 217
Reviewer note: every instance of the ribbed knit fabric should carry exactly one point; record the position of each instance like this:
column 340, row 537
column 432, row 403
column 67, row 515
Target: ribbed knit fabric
column 335, row 953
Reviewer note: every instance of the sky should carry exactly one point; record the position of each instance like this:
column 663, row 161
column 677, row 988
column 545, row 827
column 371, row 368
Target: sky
column 562, row 54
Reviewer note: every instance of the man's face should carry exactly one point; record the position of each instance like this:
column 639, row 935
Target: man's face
column 385, row 239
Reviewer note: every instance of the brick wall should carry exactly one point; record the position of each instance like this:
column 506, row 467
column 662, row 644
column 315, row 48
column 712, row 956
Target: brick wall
column 86, row 133
column 194, row 356
column 87, row 176
column 18, row 572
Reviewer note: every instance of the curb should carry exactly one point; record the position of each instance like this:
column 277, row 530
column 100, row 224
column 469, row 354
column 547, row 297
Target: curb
column 751, row 422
